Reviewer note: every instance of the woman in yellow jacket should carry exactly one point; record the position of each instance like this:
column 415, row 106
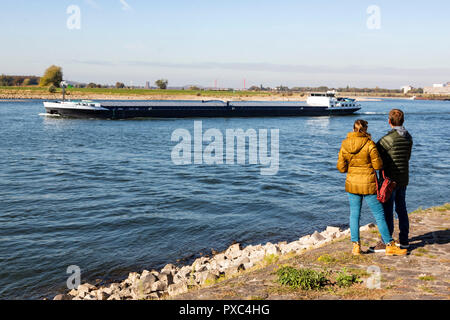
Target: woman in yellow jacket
column 359, row 158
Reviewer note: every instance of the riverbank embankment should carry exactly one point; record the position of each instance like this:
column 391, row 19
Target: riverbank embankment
column 253, row 272
column 39, row 93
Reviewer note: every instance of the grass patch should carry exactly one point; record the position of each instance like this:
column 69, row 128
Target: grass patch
column 418, row 210
column 426, row 289
column 388, row 268
column 341, row 258
column 327, row 259
column 443, row 208
column 359, row 272
column 270, row 259
column 141, row 92
column 427, row 278
column 210, row 282
column 345, row 279
column 305, row 279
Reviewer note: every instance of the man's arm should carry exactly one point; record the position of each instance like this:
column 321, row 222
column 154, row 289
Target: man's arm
column 375, row 157
column 383, row 146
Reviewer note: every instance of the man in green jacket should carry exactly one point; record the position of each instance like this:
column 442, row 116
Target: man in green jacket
column 395, row 151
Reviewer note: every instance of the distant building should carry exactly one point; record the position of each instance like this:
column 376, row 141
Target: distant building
column 438, row 88
column 406, row 89
column 147, row 85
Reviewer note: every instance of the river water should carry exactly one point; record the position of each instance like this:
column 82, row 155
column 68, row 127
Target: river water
column 107, row 197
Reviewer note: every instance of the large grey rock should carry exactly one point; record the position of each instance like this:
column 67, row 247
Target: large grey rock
column 234, row 251
column 222, row 262
column 133, row 277
column 368, row 227
column 178, row 288
column 85, row 288
column 305, row 239
column 73, row 293
column 156, row 295
column 169, row 268
column 182, row 275
column 166, row 277
column 246, row 263
column 159, row 286
column 200, row 264
column 61, row 297
column 272, row 249
column 234, row 269
column 125, row 293
column 144, row 273
column 295, row 246
column 331, row 230
column 220, row 258
column 155, row 273
column 143, row 286
column 206, row 276
column 200, row 267
column 179, row 278
column 212, row 265
column 315, row 238
column 113, row 288
column 115, row 296
column 249, row 249
column 257, row 254
column 101, row 295
column 330, row 233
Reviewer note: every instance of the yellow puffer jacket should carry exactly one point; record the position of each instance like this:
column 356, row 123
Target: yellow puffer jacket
column 359, row 157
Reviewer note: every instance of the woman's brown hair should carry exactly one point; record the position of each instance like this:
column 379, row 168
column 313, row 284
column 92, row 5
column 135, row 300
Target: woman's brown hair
column 361, row 126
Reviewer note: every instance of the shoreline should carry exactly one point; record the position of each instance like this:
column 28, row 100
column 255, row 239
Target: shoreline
column 173, row 282
column 182, row 97
column 116, row 94
column 278, row 98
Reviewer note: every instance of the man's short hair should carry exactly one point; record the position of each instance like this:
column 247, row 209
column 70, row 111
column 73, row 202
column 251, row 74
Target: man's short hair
column 397, row 117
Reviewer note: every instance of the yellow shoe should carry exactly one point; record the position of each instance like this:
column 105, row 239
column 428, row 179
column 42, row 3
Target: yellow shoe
column 356, row 249
column 393, row 250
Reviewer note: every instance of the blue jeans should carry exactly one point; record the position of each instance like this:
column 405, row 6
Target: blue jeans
column 399, row 198
column 377, row 211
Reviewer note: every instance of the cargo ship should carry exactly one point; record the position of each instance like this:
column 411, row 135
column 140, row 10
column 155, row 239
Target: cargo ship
column 317, row 104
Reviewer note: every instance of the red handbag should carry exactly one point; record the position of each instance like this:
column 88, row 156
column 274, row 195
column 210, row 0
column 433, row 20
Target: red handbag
column 387, row 187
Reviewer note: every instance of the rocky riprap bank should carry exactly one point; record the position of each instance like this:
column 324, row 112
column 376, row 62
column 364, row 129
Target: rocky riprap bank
column 172, row 281
column 250, row 273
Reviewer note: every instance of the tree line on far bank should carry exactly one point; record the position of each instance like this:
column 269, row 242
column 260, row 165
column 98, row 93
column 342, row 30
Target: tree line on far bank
column 54, row 75
column 9, row 81
column 282, row 88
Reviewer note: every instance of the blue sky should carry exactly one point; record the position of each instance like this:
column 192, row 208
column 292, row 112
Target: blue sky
column 294, row 43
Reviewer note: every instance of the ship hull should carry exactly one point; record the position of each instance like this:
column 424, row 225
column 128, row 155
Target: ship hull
column 133, row 110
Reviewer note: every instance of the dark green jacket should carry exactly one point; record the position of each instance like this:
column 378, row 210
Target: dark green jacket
column 395, row 150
